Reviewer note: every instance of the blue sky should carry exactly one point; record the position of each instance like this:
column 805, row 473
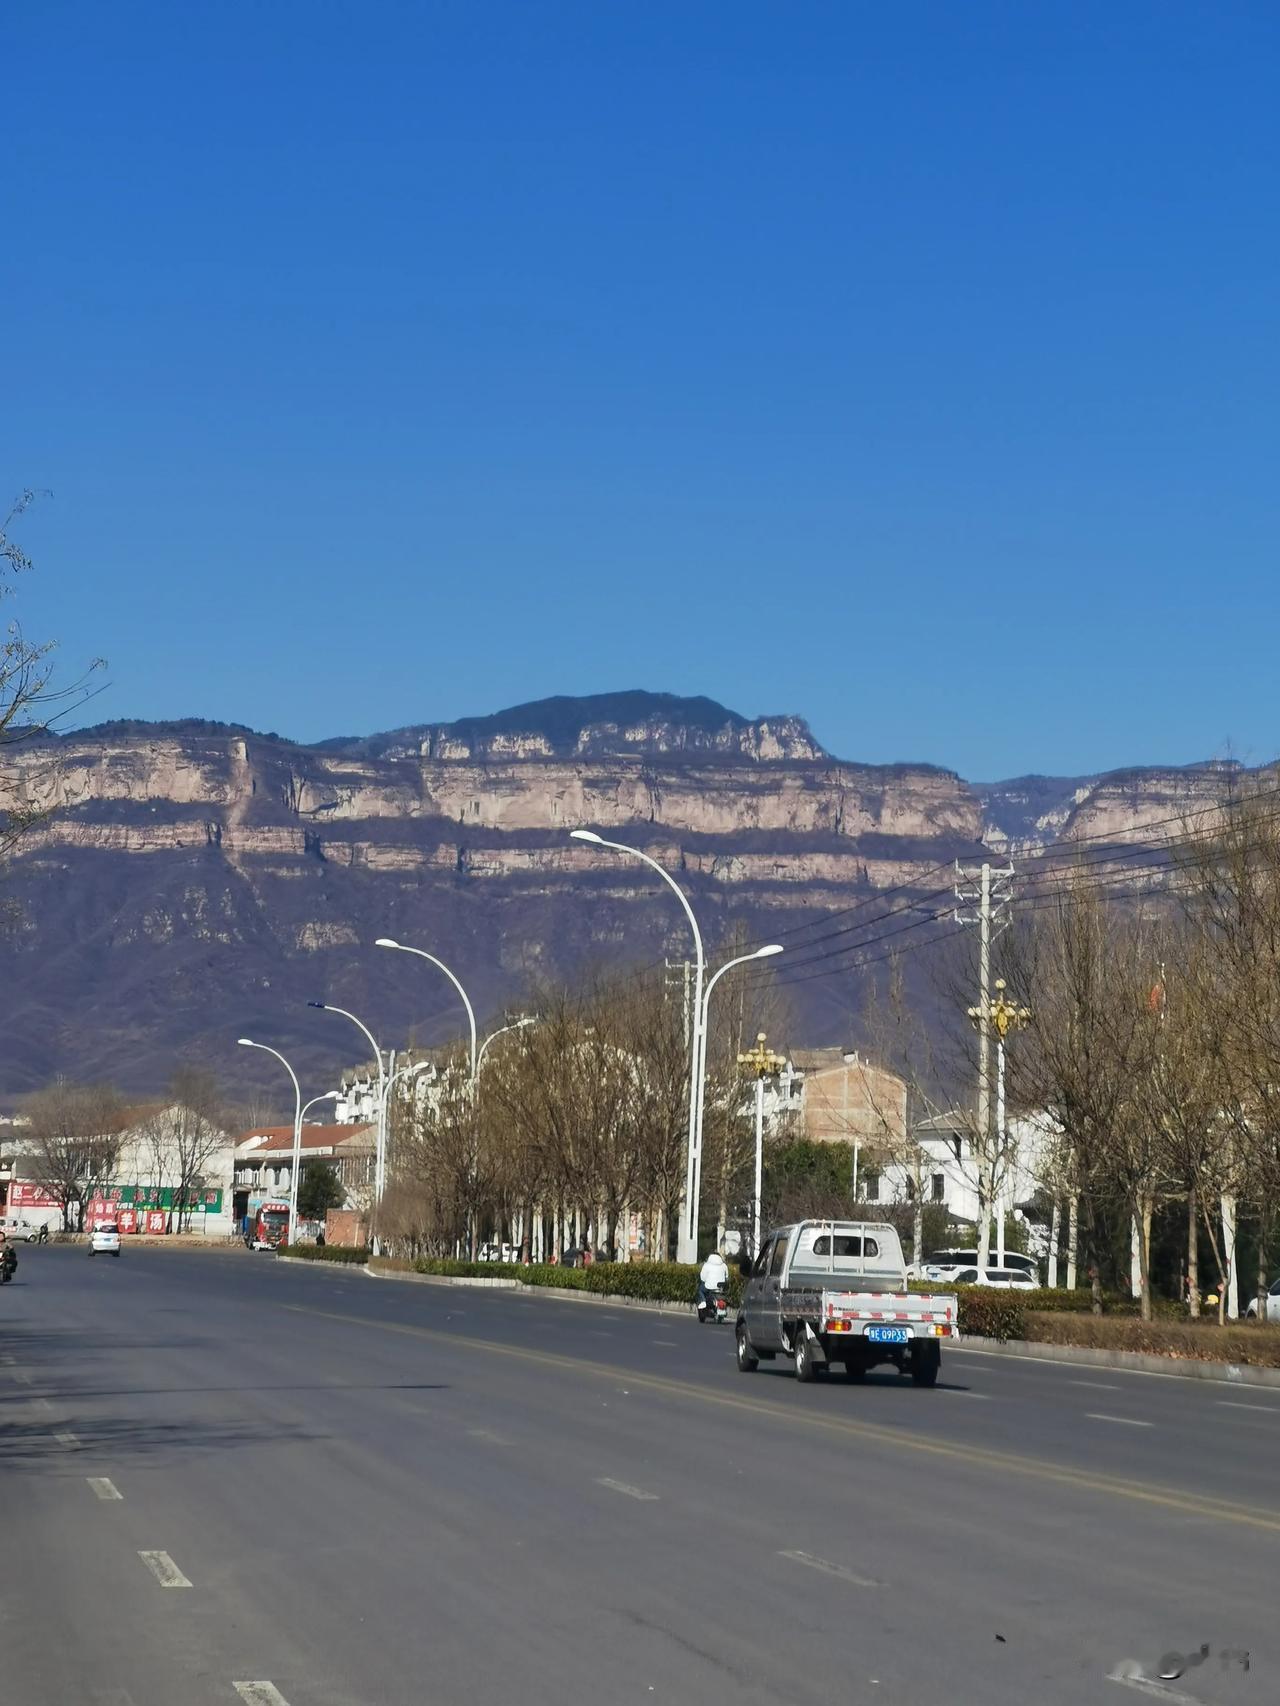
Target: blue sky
column 913, row 367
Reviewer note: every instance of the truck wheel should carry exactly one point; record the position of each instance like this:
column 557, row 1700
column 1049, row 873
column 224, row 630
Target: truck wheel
column 806, row 1365
column 924, row 1369
column 748, row 1362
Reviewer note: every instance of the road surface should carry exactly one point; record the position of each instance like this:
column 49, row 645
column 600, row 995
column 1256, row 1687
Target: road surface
column 227, row 1478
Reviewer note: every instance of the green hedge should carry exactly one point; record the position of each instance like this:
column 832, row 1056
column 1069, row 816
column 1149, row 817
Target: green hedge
column 355, row 1253
column 991, row 1313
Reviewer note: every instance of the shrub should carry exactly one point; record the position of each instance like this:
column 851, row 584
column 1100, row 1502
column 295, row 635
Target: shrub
column 355, row 1253
column 451, row 1268
column 991, row 1313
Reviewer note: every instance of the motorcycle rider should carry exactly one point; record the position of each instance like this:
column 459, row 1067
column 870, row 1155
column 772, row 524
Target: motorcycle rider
column 714, row 1276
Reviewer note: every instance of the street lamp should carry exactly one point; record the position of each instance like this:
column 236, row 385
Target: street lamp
column 1003, row 1017
column 389, row 942
column 296, row 1161
column 515, row 1025
column 743, row 959
column 381, row 1139
column 763, row 1064
column 687, row 1239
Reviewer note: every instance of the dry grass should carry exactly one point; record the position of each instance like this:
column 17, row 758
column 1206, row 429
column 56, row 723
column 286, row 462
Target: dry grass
column 1190, row 1341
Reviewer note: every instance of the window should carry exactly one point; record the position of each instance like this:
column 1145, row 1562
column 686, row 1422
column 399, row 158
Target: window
column 845, row 1246
column 966, row 1276
column 779, row 1256
column 938, row 1187
column 762, row 1260
column 871, row 1187
column 1275, row 1290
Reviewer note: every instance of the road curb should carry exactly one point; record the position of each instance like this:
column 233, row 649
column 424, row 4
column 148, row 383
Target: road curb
column 1135, row 1362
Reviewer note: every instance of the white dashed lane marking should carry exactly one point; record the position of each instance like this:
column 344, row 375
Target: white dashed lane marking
column 624, row 1487
column 68, row 1440
column 260, row 1693
column 1232, row 1404
column 1097, row 1385
column 827, row 1568
column 1123, row 1421
column 104, row 1488
column 164, row 1569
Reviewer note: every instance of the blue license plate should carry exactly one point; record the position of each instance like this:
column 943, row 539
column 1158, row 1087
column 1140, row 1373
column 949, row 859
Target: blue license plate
column 888, row 1335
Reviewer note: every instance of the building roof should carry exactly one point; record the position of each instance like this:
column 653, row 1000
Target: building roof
column 316, row 1139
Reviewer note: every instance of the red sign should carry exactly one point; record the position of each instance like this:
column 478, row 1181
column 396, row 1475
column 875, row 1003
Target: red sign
column 156, row 1218
column 128, row 1220
column 25, row 1195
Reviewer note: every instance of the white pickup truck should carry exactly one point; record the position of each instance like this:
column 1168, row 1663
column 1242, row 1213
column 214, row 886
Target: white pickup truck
column 824, row 1292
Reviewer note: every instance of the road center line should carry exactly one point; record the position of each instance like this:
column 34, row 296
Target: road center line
column 260, row 1693
column 998, row 1461
column 164, row 1569
column 1123, row 1421
column 624, row 1487
column 104, row 1488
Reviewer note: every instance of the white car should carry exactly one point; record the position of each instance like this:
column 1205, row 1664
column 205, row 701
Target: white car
column 1273, row 1304
column 104, row 1240
column 951, row 1267
column 25, row 1233
column 1011, row 1279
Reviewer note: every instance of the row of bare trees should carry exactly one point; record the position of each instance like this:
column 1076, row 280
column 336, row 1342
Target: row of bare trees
column 1154, row 1044
column 80, row 1139
column 576, row 1127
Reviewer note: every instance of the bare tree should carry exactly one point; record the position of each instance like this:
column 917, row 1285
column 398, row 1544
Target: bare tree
column 73, row 1141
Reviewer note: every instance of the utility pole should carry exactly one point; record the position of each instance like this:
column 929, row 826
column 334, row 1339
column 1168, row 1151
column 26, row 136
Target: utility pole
column 991, row 899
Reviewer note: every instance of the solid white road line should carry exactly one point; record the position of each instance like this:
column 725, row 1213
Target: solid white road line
column 104, row 1488
column 623, row 1487
column 829, row 1569
column 1124, row 1421
column 164, row 1569
column 260, row 1693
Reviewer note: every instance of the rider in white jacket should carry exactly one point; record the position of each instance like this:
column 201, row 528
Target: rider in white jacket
column 714, row 1276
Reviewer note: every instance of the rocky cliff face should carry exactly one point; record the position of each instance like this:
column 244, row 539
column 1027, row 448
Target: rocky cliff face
column 190, row 883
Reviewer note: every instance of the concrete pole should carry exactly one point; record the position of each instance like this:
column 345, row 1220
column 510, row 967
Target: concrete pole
column 984, row 1067
column 1229, row 1255
column 759, row 1184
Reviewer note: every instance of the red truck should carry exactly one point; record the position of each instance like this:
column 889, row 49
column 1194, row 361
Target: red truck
column 269, row 1227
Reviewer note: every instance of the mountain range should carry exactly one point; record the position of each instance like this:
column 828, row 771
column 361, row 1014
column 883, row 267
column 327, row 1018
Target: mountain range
column 192, row 882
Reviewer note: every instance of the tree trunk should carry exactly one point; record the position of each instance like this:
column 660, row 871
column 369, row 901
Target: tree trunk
column 1144, row 1253
column 1073, row 1242
column 984, row 1214
column 1193, row 1254
column 1055, row 1234
column 1230, row 1304
column 917, row 1228
column 1264, row 1240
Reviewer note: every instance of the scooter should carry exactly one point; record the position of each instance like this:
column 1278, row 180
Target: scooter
column 713, row 1306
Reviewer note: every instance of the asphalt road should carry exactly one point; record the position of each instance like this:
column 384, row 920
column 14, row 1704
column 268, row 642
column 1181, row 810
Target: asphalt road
column 220, row 1470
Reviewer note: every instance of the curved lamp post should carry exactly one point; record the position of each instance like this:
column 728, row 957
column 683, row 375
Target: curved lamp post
column 381, row 1141
column 296, row 1158
column 403, row 948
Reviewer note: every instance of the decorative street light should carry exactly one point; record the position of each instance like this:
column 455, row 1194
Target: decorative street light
column 762, row 1063
column 1003, row 1016
column 687, row 1237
